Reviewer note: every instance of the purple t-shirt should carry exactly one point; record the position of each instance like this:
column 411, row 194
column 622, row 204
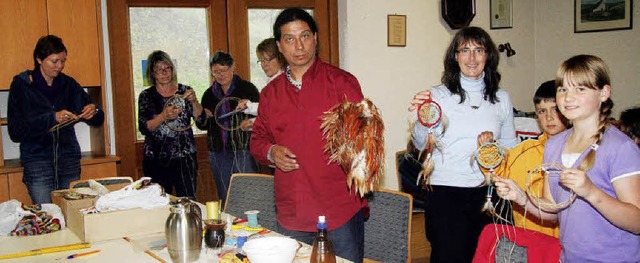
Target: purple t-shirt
column 585, row 235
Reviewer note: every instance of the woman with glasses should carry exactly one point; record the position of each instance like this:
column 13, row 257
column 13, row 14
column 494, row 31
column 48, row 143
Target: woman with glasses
column 44, row 105
column 473, row 103
column 165, row 113
column 228, row 144
column 272, row 63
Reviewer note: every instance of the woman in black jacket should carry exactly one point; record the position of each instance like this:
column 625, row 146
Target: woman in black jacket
column 44, row 103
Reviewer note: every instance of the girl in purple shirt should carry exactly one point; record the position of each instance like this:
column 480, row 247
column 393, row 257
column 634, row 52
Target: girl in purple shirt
column 603, row 223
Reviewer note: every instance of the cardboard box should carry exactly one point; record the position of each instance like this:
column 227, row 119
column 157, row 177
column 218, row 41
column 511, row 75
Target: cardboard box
column 57, row 197
column 110, row 225
column 114, row 224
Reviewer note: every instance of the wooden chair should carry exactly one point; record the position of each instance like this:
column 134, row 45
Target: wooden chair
column 387, row 231
column 252, row 192
column 104, row 181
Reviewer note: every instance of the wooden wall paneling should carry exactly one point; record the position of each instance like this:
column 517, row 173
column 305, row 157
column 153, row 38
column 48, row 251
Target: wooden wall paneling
column 22, row 23
column 122, row 82
column 17, row 189
column 77, row 23
column 99, row 136
column 334, row 41
column 4, row 187
column 94, row 171
column 238, row 26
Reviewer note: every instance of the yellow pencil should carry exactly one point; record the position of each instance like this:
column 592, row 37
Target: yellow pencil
column 46, row 250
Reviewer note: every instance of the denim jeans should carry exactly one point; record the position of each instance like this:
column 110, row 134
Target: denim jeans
column 40, row 177
column 347, row 240
column 224, row 164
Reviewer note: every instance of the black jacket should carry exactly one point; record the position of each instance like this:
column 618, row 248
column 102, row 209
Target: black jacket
column 237, row 139
column 31, row 115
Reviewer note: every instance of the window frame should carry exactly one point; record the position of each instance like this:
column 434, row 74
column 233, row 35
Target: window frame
column 228, row 31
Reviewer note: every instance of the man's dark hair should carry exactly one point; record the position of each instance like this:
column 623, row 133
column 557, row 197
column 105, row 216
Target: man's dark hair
column 221, row 58
column 546, row 92
column 46, row 46
column 290, row 15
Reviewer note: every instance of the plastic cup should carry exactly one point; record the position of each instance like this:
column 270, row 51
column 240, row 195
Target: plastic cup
column 252, row 218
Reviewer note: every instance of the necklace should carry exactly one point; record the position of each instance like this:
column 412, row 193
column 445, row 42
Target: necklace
column 473, row 106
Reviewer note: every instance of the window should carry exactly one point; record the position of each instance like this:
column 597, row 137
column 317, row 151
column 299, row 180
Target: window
column 260, row 27
column 183, row 34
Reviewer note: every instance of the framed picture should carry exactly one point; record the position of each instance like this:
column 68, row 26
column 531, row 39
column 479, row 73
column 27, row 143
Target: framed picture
column 501, row 14
column 396, row 30
column 602, row 15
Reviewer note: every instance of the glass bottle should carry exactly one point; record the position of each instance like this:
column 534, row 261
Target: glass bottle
column 322, row 248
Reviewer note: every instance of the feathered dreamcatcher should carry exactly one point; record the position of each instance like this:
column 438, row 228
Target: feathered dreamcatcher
column 429, row 115
column 353, row 134
column 489, row 156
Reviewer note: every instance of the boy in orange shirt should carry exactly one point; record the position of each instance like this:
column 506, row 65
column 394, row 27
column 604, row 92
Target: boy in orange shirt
column 528, row 154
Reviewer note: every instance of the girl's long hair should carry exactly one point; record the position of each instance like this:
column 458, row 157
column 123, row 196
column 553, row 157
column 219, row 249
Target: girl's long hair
column 588, row 71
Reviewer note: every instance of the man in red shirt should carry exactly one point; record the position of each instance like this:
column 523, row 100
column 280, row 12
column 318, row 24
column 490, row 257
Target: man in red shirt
column 287, row 133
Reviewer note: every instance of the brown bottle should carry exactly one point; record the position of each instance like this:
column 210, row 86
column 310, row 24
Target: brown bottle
column 322, row 247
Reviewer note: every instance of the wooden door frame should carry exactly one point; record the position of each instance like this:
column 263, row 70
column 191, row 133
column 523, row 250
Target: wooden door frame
column 127, row 145
column 222, row 14
column 325, row 13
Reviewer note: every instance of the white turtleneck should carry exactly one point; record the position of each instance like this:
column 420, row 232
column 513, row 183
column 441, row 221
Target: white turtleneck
column 453, row 165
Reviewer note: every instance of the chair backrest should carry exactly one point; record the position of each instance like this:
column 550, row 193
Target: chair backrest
column 104, row 181
column 252, row 192
column 387, row 231
column 408, row 167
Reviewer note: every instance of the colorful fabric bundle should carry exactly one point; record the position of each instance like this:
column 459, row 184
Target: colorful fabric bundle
column 40, row 222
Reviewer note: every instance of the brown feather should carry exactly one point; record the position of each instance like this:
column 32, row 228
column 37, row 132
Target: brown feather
column 353, row 134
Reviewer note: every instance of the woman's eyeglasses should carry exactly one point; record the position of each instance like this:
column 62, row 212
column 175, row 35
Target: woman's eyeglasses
column 162, row 70
column 467, row 52
column 261, row 61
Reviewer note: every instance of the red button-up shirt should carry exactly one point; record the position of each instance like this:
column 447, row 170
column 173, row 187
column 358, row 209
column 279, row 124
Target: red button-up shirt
column 290, row 117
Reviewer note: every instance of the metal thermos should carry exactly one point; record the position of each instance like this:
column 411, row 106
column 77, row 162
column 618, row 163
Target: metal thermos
column 183, row 231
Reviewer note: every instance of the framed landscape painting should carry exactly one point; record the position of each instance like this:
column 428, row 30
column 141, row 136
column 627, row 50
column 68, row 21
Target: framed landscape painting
column 602, row 15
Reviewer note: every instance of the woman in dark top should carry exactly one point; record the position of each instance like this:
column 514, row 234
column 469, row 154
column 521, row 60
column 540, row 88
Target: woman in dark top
column 228, row 146
column 44, row 104
column 165, row 111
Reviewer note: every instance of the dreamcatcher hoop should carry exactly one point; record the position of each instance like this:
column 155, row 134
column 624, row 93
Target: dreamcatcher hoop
column 228, row 121
column 547, row 169
column 179, row 102
column 429, row 113
column 489, row 155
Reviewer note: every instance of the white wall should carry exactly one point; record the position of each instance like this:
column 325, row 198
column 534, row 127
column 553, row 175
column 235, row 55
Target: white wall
column 619, row 49
column 390, row 76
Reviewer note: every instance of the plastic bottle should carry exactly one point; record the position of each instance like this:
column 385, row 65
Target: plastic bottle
column 322, row 247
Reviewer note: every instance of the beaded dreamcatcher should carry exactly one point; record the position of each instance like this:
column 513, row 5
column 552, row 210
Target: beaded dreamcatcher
column 489, row 155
